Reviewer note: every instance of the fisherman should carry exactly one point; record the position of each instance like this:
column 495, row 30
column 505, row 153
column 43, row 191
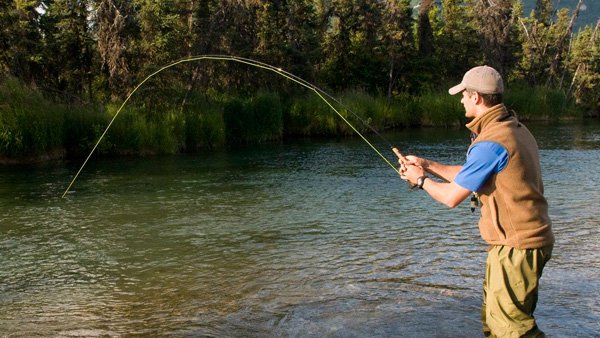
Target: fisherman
column 502, row 173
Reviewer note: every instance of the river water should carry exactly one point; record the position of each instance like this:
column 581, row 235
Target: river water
column 300, row 239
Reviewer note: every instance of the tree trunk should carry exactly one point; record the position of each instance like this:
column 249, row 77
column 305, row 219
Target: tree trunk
column 425, row 32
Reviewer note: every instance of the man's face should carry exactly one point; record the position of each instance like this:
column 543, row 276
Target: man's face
column 469, row 99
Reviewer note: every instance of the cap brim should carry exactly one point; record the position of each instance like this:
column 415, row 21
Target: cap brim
column 456, row 89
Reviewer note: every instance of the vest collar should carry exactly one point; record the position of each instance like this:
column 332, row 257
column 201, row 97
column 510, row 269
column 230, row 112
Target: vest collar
column 495, row 113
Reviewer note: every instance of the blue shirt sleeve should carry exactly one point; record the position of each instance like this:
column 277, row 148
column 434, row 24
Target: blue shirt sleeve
column 484, row 159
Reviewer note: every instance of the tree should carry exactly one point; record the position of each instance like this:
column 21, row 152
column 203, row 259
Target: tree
column 424, row 31
column 353, row 53
column 545, row 48
column 498, row 37
column 562, row 46
column 398, row 44
column 69, row 48
column 113, row 29
column 543, row 12
column 455, row 40
column 20, row 39
column 584, row 64
column 288, row 34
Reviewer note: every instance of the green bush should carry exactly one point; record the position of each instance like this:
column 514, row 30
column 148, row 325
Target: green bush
column 135, row 132
column 309, row 116
column 253, row 120
column 30, row 125
column 82, row 128
column 441, row 109
column 204, row 126
column 539, row 103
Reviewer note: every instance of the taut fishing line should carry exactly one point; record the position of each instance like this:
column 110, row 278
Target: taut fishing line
column 319, row 92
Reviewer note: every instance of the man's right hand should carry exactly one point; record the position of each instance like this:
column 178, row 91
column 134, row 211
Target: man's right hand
column 414, row 160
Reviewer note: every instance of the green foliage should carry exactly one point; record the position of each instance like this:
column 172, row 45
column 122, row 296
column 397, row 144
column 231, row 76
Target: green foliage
column 539, row 103
column 82, row 128
column 455, row 39
column 253, row 120
column 137, row 132
column 82, row 54
column 204, row 126
column 438, row 109
column 431, row 109
column 30, row 125
column 308, row 116
column 584, row 64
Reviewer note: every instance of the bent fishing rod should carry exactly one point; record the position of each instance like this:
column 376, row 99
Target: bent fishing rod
column 318, row 91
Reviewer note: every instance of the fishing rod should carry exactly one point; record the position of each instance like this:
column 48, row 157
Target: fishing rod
column 318, row 91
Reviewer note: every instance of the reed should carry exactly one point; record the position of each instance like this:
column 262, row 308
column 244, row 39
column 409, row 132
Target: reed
column 255, row 119
column 440, row 110
column 204, row 126
column 30, row 125
column 540, row 103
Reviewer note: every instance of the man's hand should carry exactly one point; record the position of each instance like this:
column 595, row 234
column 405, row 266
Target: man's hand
column 411, row 167
column 418, row 161
column 411, row 173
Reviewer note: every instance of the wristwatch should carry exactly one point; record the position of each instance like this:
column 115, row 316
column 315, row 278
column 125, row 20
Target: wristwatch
column 421, row 181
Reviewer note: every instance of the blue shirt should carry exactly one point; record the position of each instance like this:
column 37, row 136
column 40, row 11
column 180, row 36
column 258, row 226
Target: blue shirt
column 484, row 159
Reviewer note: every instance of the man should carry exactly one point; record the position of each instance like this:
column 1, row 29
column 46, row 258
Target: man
column 502, row 171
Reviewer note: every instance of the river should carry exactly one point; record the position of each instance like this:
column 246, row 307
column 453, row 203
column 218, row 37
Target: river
column 299, row 239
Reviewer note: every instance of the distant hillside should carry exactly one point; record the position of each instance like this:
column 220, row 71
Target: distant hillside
column 589, row 14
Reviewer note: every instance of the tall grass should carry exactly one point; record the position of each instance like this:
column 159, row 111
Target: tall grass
column 32, row 126
column 255, row 119
column 204, row 126
column 539, row 103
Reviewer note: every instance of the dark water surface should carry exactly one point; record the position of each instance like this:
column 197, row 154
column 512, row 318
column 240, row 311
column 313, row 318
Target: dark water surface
column 302, row 239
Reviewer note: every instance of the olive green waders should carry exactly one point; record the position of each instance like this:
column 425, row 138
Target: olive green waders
column 510, row 291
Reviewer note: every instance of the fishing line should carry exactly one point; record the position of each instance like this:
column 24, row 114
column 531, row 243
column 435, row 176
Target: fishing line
column 319, row 92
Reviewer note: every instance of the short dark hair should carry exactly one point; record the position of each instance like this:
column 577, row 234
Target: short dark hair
column 489, row 100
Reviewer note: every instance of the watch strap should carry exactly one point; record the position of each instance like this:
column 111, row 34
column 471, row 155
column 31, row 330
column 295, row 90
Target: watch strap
column 421, row 181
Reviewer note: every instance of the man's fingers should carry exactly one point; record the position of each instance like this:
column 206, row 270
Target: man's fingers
column 399, row 154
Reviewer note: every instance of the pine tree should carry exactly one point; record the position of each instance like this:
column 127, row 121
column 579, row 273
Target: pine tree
column 455, row 40
column 398, row 44
column 584, row 64
column 20, row 40
column 114, row 31
column 498, row 37
column 354, row 55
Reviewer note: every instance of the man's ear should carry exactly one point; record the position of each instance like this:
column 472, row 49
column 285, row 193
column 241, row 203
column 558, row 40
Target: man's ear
column 476, row 97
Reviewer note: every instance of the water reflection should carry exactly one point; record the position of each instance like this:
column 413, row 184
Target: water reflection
column 300, row 239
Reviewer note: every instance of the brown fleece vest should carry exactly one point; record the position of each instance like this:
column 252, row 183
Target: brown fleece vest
column 514, row 211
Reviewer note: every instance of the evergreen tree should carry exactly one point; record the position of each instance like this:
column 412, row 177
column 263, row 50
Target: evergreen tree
column 424, row 30
column 455, row 40
column 69, row 48
column 543, row 12
column 398, row 44
column 354, row 55
column 163, row 29
column 114, row 31
column 584, row 64
column 497, row 33
column 21, row 44
column 288, row 36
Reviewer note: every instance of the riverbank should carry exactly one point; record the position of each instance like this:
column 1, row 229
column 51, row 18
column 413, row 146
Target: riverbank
column 34, row 128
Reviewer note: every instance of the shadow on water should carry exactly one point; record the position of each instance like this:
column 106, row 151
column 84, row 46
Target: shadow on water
column 298, row 239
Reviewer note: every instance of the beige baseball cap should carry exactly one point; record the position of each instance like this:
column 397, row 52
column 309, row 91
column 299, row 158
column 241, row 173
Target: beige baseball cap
column 482, row 79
